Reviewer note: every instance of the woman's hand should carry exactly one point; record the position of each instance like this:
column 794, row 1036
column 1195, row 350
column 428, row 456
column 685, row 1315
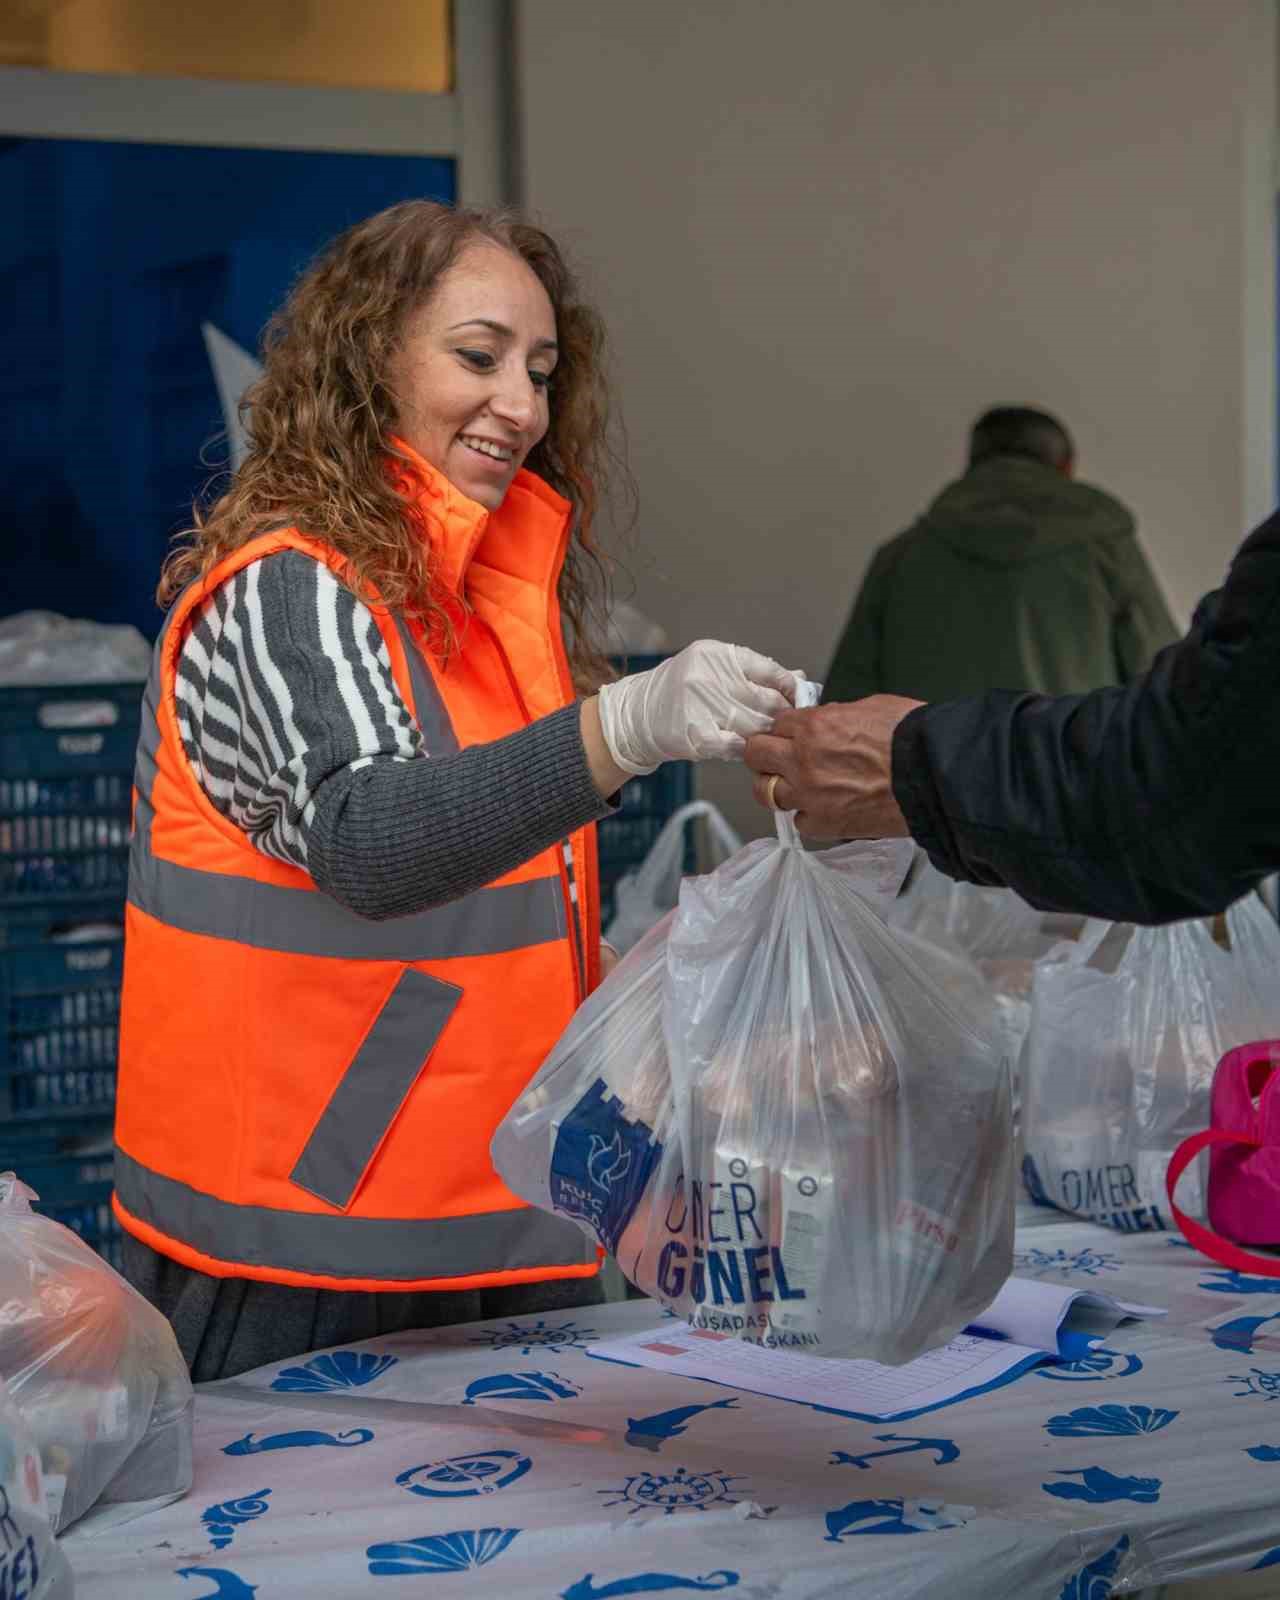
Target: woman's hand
column 700, row 705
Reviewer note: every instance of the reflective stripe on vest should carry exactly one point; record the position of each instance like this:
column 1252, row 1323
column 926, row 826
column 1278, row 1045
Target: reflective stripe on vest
column 371, row 1091
column 374, row 1247
column 306, row 922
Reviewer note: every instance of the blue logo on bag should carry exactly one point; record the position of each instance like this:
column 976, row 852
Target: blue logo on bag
column 601, row 1163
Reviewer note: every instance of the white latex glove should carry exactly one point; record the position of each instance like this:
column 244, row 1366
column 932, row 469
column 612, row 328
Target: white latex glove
column 700, row 705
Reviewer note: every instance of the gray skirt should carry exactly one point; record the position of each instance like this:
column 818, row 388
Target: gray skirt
column 226, row 1326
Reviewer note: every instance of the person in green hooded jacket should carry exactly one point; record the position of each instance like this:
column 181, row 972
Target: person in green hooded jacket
column 1016, row 577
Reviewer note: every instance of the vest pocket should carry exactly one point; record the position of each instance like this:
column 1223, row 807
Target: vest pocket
column 375, row 1085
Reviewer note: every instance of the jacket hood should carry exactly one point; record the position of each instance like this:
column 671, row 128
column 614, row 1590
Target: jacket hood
column 1012, row 511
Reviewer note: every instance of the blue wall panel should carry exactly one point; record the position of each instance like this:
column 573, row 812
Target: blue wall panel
column 111, row 258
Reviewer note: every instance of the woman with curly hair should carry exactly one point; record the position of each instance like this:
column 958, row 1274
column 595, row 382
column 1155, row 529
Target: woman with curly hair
column 363, row 897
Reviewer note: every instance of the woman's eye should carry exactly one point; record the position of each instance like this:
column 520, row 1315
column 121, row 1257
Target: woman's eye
column 480, row 359
column 540, row 380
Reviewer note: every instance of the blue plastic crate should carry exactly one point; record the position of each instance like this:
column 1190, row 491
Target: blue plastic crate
column 625, row 838
column 59, row 1017
column 74, row 1187
column 65, row 792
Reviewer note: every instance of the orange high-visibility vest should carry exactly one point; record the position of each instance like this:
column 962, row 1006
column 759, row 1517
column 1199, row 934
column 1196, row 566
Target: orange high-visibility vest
column 307, row 1097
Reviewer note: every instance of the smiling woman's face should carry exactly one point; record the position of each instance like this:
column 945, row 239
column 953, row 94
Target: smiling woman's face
column 472, row 372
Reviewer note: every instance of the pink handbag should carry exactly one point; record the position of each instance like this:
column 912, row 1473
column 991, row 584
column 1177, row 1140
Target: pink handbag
column 1244, row 1162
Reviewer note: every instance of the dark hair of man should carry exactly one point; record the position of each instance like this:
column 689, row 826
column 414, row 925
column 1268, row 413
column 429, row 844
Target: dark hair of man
column 1020, row 431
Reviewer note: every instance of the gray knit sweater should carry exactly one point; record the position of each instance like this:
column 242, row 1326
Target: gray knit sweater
column 297, row 732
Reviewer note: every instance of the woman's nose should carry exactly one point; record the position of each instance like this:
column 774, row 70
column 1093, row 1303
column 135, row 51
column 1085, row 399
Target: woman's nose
column 516, row 400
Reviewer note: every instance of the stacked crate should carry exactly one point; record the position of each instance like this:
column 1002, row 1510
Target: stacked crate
column 626, row 838
column 66, row 765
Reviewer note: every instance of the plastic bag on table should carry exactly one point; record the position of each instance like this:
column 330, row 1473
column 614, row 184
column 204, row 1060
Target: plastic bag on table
column 845, row 1128
column 93, row 1368
column 643, row 896
column 31, row 1564
column 1126, row 1031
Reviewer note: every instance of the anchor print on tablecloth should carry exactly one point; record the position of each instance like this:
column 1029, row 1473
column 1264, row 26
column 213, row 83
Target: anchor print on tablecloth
column 303, row 1438
column 945, row 1450
column 1098, row 1487
column 229, row 1585
column 649, row 1433
column 586, row 1587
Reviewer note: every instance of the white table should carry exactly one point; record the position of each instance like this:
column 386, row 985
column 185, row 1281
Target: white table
column 492, row 1483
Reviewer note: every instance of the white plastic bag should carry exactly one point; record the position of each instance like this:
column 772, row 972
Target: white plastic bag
column 643, row 896
column 94, row 1370
column 846, row 1131
column 813, row 1151
column 31, row 1564
column 994, row 930
column 1127, row 1028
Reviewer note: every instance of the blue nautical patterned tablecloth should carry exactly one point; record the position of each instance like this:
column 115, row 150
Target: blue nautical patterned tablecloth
column 499, row 1459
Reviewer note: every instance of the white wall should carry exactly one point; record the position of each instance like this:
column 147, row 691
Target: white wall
column 826, row 235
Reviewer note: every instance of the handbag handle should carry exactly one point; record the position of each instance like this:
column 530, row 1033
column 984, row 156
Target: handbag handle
column 1205, row 1240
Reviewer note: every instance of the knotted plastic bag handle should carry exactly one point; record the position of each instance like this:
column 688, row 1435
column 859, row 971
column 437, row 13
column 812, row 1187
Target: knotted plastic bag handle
column 1205, row 1240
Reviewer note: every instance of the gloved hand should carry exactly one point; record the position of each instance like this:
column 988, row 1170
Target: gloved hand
column 701, row 704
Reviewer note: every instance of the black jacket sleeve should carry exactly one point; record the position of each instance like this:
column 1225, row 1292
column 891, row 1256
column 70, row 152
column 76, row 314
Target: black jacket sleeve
column 1148, row 803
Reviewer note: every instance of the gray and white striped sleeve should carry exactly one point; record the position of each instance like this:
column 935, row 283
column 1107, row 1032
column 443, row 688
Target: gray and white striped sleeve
column 297, row 733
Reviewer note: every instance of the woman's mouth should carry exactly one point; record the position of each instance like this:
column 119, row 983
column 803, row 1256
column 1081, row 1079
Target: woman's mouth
column 500, row 455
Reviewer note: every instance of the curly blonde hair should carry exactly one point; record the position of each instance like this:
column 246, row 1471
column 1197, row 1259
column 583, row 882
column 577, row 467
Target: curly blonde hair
column 320, row 420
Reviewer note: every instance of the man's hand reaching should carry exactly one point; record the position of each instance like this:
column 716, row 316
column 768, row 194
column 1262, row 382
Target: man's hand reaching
column 835, row 767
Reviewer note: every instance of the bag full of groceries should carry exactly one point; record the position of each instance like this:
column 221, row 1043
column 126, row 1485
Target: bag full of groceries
column 776, row 1118
column 94, row 1369
column 644, row 895
column 31, row 1564
column 1127, row 1027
